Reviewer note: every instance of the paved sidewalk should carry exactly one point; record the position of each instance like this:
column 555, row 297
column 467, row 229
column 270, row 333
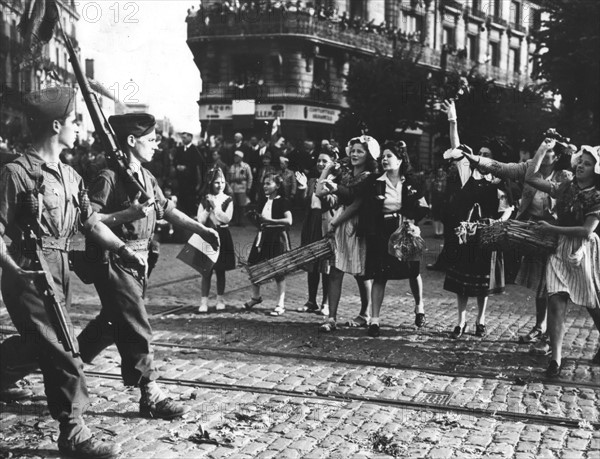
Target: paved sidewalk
column 276, row 387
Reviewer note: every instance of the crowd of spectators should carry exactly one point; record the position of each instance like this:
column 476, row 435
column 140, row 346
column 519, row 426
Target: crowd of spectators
column 221, row 12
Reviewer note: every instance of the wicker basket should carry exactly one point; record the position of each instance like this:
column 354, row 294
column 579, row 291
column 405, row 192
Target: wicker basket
column 290, row 261
column 515, row 235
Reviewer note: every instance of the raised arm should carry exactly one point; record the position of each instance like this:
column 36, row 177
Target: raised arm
column 533, row 176
column 449, row 109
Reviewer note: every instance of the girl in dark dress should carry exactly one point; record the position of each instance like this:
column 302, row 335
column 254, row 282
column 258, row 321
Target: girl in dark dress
column 390, row 199
column 473, row 271
column 273, row 238
column 215, row 211
column 319, row 213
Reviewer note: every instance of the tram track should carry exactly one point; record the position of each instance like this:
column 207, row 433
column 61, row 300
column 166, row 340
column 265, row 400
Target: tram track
column 358, row 363
column 333, row 396
column 363, row 362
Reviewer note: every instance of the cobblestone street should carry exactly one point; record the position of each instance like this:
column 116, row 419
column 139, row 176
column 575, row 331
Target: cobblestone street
column 267, row 386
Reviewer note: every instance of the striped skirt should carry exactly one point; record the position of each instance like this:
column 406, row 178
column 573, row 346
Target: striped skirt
column 575, row 270
column 350, row 250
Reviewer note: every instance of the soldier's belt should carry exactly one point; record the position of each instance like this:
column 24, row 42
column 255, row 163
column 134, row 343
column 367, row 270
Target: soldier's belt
column 52, row 243
column 138, row 244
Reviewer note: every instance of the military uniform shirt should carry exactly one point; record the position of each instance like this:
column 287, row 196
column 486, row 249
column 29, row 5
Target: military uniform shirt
column 109, row 194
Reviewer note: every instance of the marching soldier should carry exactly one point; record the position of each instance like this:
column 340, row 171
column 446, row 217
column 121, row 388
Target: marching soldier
column 40, row 210
column 123, row 319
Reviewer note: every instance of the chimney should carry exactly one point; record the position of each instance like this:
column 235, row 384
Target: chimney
column 89, row 68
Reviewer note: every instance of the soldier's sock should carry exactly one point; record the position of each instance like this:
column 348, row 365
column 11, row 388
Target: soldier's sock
column 153, row 392
column 220, row 299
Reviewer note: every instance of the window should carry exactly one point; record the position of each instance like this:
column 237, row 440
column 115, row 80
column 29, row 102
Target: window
column 321, row 79
column 448, row 36
column 476, row 5
column 57, row 57
column 247, row 69
column 514, row 60
column 535, row 19
column 472, row 47
column 515, row 12
column 414, row 23
column 495, row 53
column 496, row 9
column 357, row 8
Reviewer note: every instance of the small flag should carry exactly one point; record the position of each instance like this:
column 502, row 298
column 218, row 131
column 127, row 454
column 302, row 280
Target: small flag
column 38, row 21
column 199, row 254
column 37, row 28
column 276, row 126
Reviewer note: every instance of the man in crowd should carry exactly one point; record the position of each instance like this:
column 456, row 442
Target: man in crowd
column 191, row 171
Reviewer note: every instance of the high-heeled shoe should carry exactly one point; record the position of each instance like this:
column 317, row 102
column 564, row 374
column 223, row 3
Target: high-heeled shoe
column 480, row 330
column 554, row 369
column 458, row 331
column 420, row 319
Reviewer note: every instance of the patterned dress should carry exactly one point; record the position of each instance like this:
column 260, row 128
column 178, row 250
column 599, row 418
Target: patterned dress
column 350, row 248
column 574, row 269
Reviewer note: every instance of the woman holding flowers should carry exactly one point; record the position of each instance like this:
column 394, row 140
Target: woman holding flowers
column 391, row 199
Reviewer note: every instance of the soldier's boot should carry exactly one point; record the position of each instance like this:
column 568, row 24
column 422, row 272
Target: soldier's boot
column 88, row 449
column 156, row 405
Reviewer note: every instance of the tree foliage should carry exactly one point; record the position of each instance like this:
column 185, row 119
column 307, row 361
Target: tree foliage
column 384, row 94
column 391, row 95
column 568, row 50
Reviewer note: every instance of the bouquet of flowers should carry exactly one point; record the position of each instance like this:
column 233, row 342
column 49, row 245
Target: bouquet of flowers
column 406, row 243
column 466, row 231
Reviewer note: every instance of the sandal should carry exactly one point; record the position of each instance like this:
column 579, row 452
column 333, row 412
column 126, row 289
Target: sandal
column 328, row 326
column 252, row 302
column 358, row 321
column 278, row 311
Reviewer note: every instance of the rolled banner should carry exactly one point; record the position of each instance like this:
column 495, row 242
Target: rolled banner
column 199, row 254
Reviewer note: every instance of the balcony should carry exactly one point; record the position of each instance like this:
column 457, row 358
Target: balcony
column 476, row 13
column 453, row 4
column 311, row 28
column 499, row 21
column 519, row 28
column 272, row 92
column 319, row 31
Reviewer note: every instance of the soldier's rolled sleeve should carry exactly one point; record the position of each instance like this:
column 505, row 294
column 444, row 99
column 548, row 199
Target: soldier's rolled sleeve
column 100, row 192
column 165, row 204
column 8, row 199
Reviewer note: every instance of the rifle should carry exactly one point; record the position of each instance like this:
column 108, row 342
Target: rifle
column 115, row 157
column 33, row 245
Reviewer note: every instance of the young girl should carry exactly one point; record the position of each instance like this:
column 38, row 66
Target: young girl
column 215, row 211
column 316, row 224
column 272, row 238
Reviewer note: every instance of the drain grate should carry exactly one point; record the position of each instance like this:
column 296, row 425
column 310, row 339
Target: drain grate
column 435, row 398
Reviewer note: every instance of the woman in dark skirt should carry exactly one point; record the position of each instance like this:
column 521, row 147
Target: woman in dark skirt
column 391, row 198
column 215, row 211
column 273, row 238
column 316, row 224
column 474, row 271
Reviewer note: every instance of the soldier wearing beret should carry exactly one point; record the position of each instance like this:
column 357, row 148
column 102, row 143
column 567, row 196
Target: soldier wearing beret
column 38, row 190
column 123, row 319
